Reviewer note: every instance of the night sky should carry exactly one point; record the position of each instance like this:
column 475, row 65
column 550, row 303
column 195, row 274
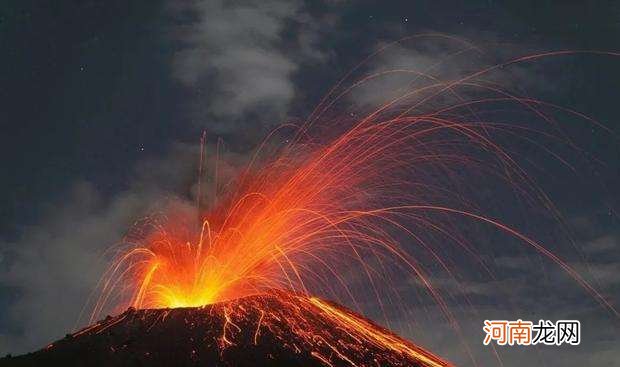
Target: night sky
column 103, row 104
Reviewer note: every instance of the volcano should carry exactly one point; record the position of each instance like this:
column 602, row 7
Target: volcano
column 272, row 329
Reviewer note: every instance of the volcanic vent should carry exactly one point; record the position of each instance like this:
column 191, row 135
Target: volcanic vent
column 273, row 329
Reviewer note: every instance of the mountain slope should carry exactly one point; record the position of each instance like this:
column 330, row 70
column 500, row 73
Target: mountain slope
column 275, row 329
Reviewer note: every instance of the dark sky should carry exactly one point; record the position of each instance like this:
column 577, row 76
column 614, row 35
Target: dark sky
column 88, row 83
column 101, row 100
column 89, row 86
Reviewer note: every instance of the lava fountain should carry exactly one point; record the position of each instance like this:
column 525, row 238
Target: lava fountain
column 364, row 196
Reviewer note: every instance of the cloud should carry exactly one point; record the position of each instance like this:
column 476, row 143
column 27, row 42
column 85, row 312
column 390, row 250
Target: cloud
column 53, row 266
column 423, row 64
column 597, row 344
column 49, row 271
column 525, row 288
column 402, row 68
column 240, row 57
column 602, row 244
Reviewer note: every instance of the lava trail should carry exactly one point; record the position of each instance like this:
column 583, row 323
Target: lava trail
column 272, row 329
column 350, row 209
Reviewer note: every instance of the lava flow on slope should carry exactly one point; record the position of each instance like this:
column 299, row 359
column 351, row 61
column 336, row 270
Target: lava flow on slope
column 272, row 329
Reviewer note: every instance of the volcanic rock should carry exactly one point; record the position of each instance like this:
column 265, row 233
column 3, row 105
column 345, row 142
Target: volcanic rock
column 273, row 329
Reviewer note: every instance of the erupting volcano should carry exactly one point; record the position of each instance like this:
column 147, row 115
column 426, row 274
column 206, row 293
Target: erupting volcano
column 357, row 210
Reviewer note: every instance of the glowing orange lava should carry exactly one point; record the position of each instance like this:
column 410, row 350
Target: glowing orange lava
column 264, row 329
column 364, row 201
column 310, row 214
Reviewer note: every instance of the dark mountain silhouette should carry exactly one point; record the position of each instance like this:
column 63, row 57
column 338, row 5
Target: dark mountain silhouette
column 274, row 329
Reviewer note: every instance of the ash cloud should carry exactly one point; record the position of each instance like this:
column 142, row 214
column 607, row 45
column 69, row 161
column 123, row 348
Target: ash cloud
column 239, row 59
column 49, row 272
column 418, row 62
column 51, row 269
column 53, row 265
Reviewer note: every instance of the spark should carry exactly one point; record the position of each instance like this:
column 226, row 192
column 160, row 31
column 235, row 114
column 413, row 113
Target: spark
column 369, row 199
